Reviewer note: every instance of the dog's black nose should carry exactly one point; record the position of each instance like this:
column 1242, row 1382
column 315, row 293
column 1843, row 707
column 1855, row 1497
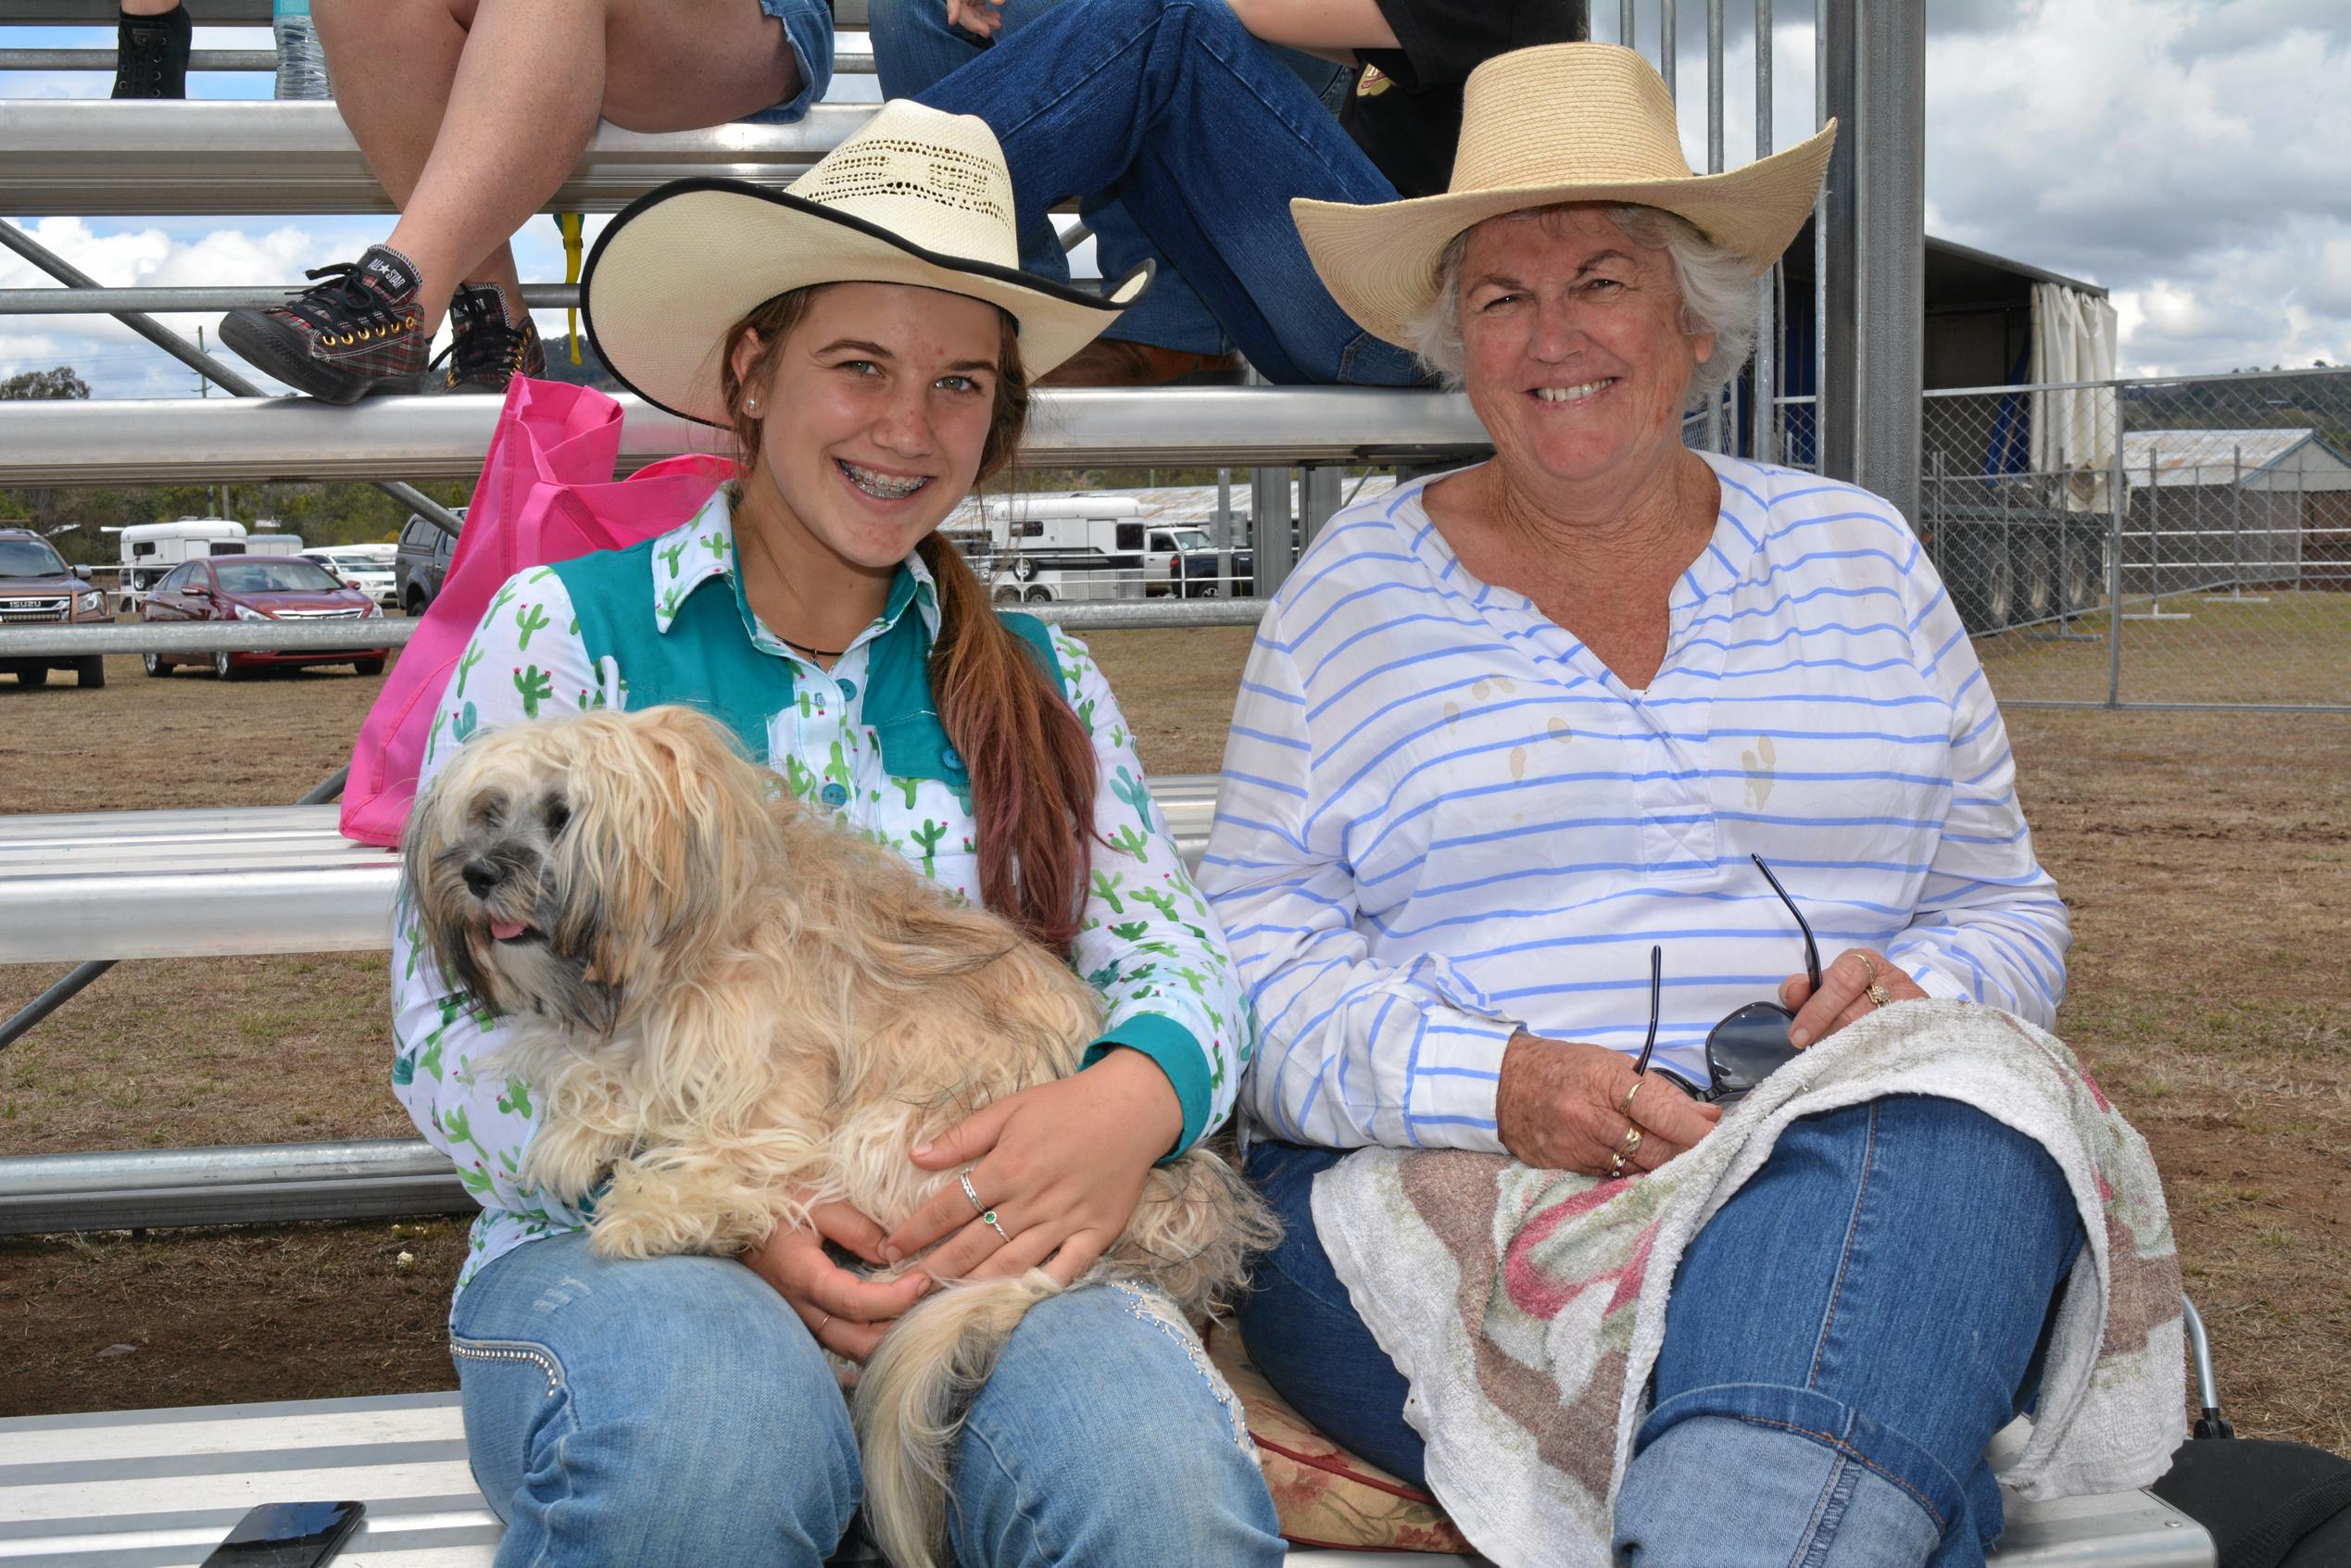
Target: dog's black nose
column 482, row 876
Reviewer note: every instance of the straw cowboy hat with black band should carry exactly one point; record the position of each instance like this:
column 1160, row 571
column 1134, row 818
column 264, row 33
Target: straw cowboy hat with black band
column 914, row 196
column 1561, row 122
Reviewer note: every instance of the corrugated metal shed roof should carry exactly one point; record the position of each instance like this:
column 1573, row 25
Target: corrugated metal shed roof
column 2205, row 456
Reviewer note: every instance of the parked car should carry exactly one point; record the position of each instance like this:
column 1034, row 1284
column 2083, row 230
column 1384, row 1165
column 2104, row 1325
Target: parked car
column 38, row 589
column 360, row 567
column 260, row 588
column 422, row 561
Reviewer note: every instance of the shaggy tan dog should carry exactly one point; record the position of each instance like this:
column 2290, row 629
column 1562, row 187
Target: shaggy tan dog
column 725, row 1000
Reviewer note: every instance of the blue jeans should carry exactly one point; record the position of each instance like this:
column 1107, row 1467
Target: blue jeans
column 913, row 47
column 675, row 1412
column 1843, row 1338
column 1205, row 133
column 808, row 25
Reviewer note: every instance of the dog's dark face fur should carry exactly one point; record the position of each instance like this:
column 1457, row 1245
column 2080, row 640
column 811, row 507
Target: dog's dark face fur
column 562, row 867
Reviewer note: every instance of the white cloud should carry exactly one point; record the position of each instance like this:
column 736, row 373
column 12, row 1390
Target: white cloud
column 2189, row 155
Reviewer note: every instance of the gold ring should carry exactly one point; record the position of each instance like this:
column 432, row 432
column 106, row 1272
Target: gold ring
column 1625, row 1110
column 1631, row 1145
column 818, row 1332
column 1615, row 1166
column 1871, row 965
column 1878, row 995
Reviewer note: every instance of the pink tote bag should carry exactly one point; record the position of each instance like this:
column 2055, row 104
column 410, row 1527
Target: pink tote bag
column 546, row 494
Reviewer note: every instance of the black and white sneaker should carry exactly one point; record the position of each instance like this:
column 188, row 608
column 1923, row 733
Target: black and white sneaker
column 151, row 55
column 358, row 332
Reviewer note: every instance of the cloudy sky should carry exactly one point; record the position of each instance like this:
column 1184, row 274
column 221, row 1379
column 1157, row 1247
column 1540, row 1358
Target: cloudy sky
column 2192, row 155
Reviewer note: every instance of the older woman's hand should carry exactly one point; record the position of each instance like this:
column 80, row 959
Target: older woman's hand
column 1843, row 996
column 1560, row 1107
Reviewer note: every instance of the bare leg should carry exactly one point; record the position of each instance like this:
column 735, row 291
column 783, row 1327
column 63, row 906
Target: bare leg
column 470, row 114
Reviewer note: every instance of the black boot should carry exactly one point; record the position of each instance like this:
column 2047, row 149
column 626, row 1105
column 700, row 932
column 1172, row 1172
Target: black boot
column 151, row 55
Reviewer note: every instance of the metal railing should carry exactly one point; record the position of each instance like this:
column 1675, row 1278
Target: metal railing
column 2182, row 541
column 150, row 158
column 235, row 439
column 289, row 636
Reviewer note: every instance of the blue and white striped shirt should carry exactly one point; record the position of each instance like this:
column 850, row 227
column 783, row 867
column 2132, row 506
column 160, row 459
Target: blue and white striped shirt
column 1442, row 818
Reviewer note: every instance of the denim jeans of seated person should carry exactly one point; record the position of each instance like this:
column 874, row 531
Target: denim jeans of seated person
column 1206, row 134
column 675, row 1412
column 914, row 45
column 1843, row 1338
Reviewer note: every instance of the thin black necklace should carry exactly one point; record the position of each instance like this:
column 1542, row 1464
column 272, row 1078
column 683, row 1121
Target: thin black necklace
column 813, row 653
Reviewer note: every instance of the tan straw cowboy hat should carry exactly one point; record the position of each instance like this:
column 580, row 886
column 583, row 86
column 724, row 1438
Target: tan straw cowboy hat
column 1561, row 122
column 915, row 196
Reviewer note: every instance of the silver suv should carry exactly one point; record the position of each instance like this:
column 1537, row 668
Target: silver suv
column 422, row 561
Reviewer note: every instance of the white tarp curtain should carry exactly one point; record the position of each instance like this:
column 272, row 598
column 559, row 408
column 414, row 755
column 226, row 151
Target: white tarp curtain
column 2073, row 433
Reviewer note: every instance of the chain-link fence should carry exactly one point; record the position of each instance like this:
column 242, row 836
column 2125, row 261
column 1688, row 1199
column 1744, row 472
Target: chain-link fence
column 2149, row 542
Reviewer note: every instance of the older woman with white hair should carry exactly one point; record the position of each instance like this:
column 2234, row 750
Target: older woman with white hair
column 1524, row 757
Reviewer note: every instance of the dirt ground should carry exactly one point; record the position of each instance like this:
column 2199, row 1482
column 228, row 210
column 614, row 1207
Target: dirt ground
column 2206, row 858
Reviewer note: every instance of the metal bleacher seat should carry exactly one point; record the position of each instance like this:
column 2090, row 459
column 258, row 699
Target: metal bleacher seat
column 274, row 879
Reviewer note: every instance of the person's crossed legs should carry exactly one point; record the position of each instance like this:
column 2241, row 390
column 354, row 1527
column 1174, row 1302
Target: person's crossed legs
column 914, row 46
column 1205, row 135
column 472, row 113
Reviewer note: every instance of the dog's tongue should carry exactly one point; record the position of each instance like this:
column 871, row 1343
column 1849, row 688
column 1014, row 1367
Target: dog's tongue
column 507, row 930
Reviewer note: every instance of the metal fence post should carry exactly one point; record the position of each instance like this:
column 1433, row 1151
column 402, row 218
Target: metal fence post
column 2114, row 569
column 1762, row 411
column 1269, row 529
column 1877, row 224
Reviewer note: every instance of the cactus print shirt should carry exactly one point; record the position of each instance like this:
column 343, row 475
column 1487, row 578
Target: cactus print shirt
column 1149, row 944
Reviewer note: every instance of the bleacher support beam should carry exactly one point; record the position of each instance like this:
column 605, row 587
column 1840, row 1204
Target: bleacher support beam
column 159, row 158
column 238, row 440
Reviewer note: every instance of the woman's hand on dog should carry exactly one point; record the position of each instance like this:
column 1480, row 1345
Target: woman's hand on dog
column 1061, row 1166
column 846, row 1313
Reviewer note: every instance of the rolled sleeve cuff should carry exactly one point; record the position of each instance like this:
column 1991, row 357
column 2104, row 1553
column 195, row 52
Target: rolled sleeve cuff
column 1931, row 977
column 1450, row 1101
column 1178, row 1053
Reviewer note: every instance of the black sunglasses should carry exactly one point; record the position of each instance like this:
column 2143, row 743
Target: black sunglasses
column 1748, row 1045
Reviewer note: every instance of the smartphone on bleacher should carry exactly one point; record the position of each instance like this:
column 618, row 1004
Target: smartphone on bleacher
column 288, row 1535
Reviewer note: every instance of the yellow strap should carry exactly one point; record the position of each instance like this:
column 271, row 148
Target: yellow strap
column 570, row 223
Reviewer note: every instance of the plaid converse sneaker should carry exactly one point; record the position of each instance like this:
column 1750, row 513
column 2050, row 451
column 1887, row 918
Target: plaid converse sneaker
column 151, row 55
column 486, row 350
column 340, row 340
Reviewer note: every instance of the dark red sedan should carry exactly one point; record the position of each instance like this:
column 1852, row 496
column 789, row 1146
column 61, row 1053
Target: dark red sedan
column 261, row 588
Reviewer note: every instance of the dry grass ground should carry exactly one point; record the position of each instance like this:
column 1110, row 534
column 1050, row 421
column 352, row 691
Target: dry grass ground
column 2206, row 856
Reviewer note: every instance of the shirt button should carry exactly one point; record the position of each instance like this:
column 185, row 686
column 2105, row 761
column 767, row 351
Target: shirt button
column 835, row 794
column 849, row 690
column 953, row 763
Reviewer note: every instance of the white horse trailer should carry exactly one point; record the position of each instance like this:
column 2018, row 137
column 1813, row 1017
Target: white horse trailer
column 151, row 549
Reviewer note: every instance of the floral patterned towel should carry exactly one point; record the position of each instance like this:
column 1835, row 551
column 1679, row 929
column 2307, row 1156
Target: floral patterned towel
column 1526, row 1306
column 1324, row 1496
